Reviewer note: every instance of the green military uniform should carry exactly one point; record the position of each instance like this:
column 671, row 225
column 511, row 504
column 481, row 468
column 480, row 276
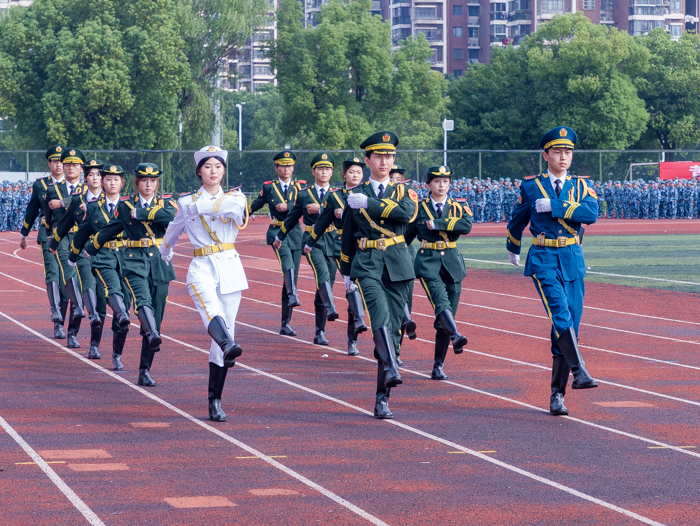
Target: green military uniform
column 321, row 258
column 326, row 222
column 75, row 281
column 375, row 255
column 58, row 299
column 147, row 276
column 440, row 266
column 289, row 254
column 107, row 266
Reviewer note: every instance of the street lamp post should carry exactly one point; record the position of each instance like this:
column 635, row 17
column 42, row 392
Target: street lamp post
column 240, row 125
column 447, row 125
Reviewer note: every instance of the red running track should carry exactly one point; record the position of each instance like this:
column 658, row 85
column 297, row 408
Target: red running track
column 628, row 455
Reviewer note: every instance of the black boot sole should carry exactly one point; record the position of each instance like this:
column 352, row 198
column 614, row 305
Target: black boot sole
column 294, row 303
column 393, row 382
column 361, row 329
column 589, row 385
column 332, row 316
column 410, row 330
column 155, row 343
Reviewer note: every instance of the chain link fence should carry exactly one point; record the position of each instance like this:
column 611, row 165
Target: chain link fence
column 249, row 169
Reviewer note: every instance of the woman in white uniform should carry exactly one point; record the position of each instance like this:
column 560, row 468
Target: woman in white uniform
column 215, row 279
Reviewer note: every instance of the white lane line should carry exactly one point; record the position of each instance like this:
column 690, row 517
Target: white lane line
column 598, row 273
column 313, row 485
column 83, row 508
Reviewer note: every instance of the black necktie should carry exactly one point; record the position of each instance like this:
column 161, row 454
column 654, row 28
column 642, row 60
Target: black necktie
column 70, row 189
column 145, row 204
column 321, row 194
column 557, row 186
column 381, row 191
column 111, row 209
column 284, row 189
column 439, row 209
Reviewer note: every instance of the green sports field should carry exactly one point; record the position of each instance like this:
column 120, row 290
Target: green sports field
column 673, row 261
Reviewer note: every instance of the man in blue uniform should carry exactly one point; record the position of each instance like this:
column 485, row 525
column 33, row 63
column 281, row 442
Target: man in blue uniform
column 555, row 204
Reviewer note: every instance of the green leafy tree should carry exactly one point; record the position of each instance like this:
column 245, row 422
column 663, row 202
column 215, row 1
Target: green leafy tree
column 670, row 88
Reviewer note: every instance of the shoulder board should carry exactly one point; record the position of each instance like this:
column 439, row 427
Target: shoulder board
column 167, row 196
column 301, row 181
column 184, row 194
column 236, row 189
column 125, row 198
column 461, row 200
column 405, row 181
column 367, row 183
column 529, row 177
column 581, row 176
column 44, row 177
column 267, row 182
column 391, row 183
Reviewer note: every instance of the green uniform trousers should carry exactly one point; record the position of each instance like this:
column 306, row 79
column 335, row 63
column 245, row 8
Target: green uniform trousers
column 52, row 272
column 324, row 267
column 443, row 293
column 108, row 282
column 384, row 303
column 146, row 294
column 288, row 257
column 82, row 270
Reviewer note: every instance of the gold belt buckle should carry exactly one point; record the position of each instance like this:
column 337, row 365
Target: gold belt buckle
column 112, row 245
column 540, row 240
column 440, row 245
column 561, row 241
column 381, row 244
column 208, row 250
column 144, row 242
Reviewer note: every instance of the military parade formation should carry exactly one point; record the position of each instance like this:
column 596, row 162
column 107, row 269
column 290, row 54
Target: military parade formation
column 102, row 246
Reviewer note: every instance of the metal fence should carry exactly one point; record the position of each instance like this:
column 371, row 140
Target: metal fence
column 249, row 169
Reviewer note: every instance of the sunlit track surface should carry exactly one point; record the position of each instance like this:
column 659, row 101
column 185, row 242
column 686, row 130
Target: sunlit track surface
column 398, row 475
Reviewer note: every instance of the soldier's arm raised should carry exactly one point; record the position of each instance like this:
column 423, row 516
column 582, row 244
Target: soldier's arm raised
column 81, row 237
column 584, row 211
column 65, row 224
column 325, row 218
column 401, row 207
column 460, row 224
column 292, row 218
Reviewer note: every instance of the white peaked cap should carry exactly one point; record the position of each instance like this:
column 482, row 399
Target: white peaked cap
column 210, row 151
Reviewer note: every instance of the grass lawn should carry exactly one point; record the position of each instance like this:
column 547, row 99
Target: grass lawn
column 664, row 257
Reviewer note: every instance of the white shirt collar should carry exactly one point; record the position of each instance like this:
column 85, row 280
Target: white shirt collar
column 375, row 184
column 203, row 192
column 56, row 181
column 90, row 196
column 145, row 201
column 282, row 183
column 434, row 202
column 324, row 188
column 553, row 178
column 115, row 202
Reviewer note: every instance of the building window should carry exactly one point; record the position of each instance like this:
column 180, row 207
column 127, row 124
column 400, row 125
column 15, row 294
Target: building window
column 473, row 10
column 401, row 16
column 588, row 5
column 676, row 30
column 676, row 7
column 473, row 32
column 261, row 70
column 457, row 32
column 458, row 72
column 473, row 54
column 457, row 10
column 426, row 13
column 458, row 53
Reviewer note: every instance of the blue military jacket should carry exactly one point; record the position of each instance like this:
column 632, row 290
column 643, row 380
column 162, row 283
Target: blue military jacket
column 576, row 204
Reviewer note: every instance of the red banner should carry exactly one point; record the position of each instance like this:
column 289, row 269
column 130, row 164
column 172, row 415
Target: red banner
column 679, row 170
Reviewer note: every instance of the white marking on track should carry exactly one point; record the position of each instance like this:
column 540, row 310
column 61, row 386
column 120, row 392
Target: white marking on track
column 83, row 508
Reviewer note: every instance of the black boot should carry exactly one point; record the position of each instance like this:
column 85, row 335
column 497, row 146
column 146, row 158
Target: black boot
column 291, row 287
column 76, row 302
column 286, row 330
column 95, row 339
column 116, row 303
column 381, row 405
column 54, row 294
column 568, row 344
column 384, row 344
column 147, row 354
column 118, row 340
column 148, row 325
column 356, row 309
column 407, row 324
column 90, row 302
column 352, row 348
column 442, row 343
column 58, row 333
column 72, row 334
column 560, row 375
column 325, row 291
column 219, row 333
column 320, row 337
column 217, row 377
column 447, row 322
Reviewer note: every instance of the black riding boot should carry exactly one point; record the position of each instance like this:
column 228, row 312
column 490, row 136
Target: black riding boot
column 356, row 309
column 72, row 333
column 54, row 294
column 286, row 330
column 381, row 405
column 76, row 301
column 118, row 340
column 58, row 327
column 219, row 333
column 90, row 302
column 116, row 303
column 291, row 287
column 95, row 339
column 442, row 343
column 448, row 324
column 148, row 325
column 384, row 344
column 217, row 378
column 326, row 293
column 568, row 344
column 147, row 354
column 352, row 335
column 560, row 375
column 320, row 337
column 407, row 324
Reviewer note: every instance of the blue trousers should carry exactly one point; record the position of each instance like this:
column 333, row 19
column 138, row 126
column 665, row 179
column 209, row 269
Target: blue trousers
column 563, row 302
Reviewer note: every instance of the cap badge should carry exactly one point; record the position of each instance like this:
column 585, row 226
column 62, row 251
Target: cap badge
column 324, row 157
column 442, row 170
column 112, row 168
column 149, row 169
column 356, row 160
column 59, row 149
column 286, row 154
column 72, row 152
column 562, row 132
column 212, row 148
column 93, row 162
column 386, row 137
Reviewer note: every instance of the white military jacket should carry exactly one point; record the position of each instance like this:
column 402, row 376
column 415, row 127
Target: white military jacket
column 221, row 213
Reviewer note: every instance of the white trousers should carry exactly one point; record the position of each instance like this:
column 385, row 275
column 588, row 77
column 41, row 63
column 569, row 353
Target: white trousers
column 211, row 303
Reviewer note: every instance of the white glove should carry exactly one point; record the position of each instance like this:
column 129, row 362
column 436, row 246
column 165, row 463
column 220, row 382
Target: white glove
column 431, row 225
column 514, row 258
column 543, row 205
column 357, row 201
column 349, row 284
column 191, row 210
column 166, row 253
column 71, row 263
